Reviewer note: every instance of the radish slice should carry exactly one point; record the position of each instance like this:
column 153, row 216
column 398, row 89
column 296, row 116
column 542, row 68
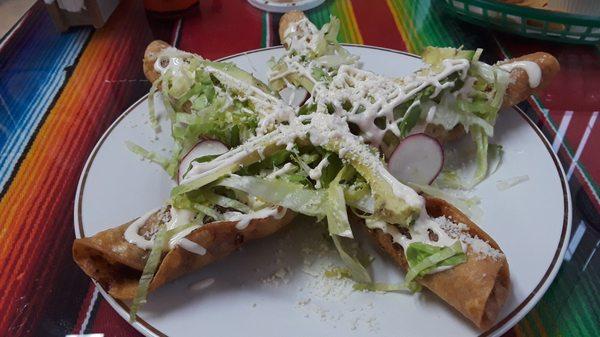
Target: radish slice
column 417, row 159
column 294, row 96
column 204, row 148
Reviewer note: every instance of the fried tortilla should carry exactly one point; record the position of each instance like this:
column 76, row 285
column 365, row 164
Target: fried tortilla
column 117, row 264
column 477, row 288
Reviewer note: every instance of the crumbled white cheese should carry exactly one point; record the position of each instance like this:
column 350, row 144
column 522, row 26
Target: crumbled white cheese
column 281, row 276
column 479, row 247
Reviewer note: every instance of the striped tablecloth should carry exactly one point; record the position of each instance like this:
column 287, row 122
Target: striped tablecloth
column 59, row 92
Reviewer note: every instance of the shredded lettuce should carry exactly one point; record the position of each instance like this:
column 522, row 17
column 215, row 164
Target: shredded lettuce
column 380, row 287
column 152, row 110
column 340, row 273
column 495, row 154
column 337, row 217
column 165, row 163
column 303, row 162
column 387, row 205
column 316, row 63
column 340, row 230
column 358, row 271
column 337, row 272
column 205, row 99
column 196, row 201
column 410, row 118
column 209, row 211
column 333, row 168
column 481, row 141
column 452, row 179
column 474, row 104
column 232, row 161
column 434, row 56
column 423, row 259
column 150, row 268
column 448, row 116
column 226, row 202
column 279, row 192
column 468, row 206
column 449, row 179
column 229, row 122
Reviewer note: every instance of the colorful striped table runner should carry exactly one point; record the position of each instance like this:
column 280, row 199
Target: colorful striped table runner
column 59, row 92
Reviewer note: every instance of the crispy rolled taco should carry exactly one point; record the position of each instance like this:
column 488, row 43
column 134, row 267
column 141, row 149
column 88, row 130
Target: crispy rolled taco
column 206, row 120
column 117, row 264
column 528, row 74
column 477, row 288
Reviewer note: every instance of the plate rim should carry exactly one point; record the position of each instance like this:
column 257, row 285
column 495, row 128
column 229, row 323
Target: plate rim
column 497, row 329
column 274, row 7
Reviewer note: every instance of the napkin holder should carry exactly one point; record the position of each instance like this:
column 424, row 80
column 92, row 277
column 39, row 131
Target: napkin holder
column 69, row 13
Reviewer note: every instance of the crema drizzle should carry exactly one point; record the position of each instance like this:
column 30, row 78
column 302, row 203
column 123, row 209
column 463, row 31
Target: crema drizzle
column 243, row 219
column 533, row 70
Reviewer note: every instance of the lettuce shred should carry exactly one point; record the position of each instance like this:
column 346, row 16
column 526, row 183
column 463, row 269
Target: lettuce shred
column 423, row 259
column 150, row 268
column 380, row 287
column 313, row 63
column 473, row 103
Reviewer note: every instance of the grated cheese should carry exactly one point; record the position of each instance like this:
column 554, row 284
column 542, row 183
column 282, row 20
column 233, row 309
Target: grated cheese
column 479, row 247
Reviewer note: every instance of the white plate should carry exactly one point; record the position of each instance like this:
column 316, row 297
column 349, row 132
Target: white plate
column 285, row 6
column 530, row 221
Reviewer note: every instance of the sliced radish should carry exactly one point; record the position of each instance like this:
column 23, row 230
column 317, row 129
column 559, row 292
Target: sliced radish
column 294, row 96
column 417, row 159
column 203, row 148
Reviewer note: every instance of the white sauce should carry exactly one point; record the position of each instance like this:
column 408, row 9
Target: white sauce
column 285, row 169
column 204, row 148
column 534, row 73
column 179, row 217
column 132, row 236
column 244, row 219
column 325, row 130
column 299, row 36
column 270, row 109
column 447, row 234
column 373, row 97
column 419, row 232
column 357, row 96
column 191, row 246
column 431, row 113
column 316, row 173
column 174, row 60
column 201, row 169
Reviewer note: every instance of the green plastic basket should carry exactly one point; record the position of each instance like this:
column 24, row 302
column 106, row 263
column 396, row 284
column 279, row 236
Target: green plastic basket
column 530, row 22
